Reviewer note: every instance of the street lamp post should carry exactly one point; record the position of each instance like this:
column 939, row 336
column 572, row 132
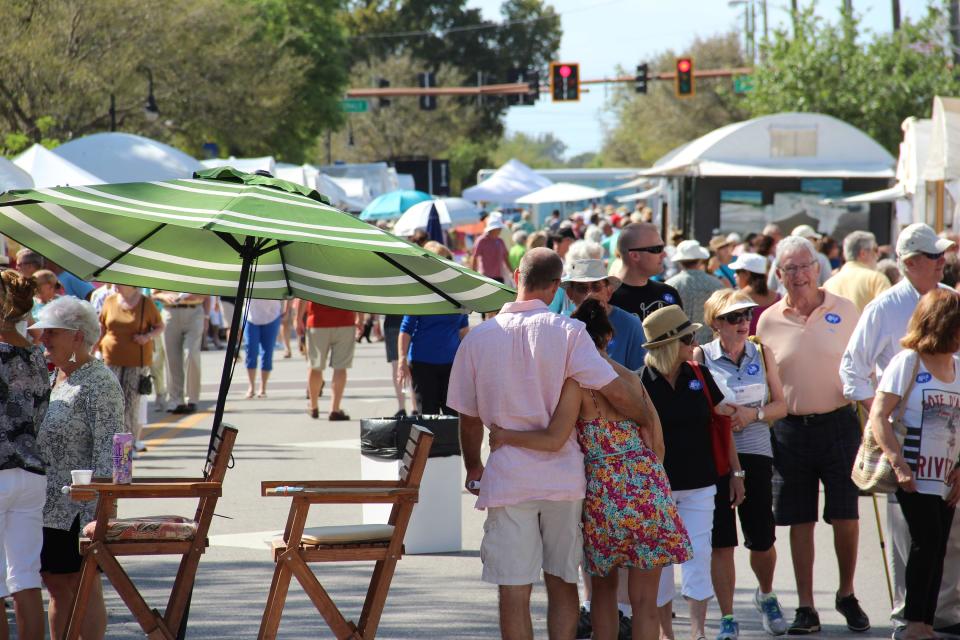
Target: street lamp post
column 150, row 110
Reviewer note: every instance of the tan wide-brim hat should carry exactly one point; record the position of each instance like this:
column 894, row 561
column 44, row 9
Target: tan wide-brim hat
column 667, row 324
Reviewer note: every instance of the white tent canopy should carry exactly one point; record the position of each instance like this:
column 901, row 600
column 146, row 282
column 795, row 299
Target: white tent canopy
column 943, row 158
column 50, row 170
column 883, row 195
column 805, row 145
column 248, row 165
column 13, row 177
column 561, row 192
column 124, row 157
column 642, row 195
column 508, row 183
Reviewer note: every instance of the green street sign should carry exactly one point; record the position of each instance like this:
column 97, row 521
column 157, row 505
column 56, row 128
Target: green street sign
column 742, row 84
column 354, row 105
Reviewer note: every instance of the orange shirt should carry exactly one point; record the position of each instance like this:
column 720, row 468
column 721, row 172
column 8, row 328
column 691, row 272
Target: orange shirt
column 120, row 325
column 808, row 351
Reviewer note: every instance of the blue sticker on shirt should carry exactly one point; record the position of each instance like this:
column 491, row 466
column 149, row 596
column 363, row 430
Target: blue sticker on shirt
column 753, row 369
column 923, row 377
column 832, row 318
column 668, row 297
column 695, row 385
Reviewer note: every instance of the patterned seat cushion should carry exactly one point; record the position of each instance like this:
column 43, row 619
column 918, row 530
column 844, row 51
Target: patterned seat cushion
column 147, row 528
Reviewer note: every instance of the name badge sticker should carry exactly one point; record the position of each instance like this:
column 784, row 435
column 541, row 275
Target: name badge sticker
column 832, row 318
column 753, row 369
column 669, row 299
column 695, row 385
column 924, row 377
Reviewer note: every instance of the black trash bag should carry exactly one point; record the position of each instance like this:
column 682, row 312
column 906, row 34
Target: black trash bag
column 386, row 438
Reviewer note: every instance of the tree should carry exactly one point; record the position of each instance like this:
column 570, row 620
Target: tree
column 648, row 126
column 544, row 151
column 871, row 81
column 222, row 72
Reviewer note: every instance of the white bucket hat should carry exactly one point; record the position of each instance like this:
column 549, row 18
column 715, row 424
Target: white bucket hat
column 752, row 262
column 689, row 250
column 589, row 271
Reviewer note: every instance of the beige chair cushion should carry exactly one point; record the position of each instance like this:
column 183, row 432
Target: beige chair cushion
column 348, row 534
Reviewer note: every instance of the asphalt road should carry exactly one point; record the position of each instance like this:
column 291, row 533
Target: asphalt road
column 432, row 595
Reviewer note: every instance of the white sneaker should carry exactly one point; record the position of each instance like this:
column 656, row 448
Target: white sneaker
column 139, row 445
column 771, row 615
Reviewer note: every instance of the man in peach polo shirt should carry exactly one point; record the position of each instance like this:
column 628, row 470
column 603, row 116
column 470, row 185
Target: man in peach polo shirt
column 817, row 441
column 509, row 371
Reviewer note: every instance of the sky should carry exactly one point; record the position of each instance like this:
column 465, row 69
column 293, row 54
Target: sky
column 602, row 34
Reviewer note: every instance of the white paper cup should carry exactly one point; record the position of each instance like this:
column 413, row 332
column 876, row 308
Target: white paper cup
column 81, row 476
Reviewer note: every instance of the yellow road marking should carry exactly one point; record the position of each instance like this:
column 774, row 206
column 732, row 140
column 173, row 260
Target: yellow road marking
column 158, row 438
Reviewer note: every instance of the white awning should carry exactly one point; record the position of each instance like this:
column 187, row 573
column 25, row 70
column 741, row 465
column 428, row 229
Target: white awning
column 708, row 168
column 895, row 192
column 642, row 195
column 562, row 192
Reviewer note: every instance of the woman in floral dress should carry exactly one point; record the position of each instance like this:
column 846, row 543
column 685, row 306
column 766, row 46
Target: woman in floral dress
column 629, row 517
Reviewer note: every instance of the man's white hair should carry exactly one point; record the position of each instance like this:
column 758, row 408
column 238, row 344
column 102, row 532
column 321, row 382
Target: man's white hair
column 795, row 244
column 857, row 241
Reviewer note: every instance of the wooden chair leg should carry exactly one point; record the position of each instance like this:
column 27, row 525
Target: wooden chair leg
column 376, row 597
column 276, row 600
column 81, row 600
column 150, row 621
column 342, row 629
column 182, row 586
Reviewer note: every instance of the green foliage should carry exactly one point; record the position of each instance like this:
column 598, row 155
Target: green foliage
column 16, row 142
column 543, row 152
column 254, row 82
column 872, row 81
column 648, row 126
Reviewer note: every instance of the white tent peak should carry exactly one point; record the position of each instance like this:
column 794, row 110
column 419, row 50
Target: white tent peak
column 511, row 181
column 13, row 177
column 782, row 144
column 50, row 170
column 125, row 157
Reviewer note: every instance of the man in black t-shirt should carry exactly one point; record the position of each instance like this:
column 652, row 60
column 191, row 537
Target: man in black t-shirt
column 642, row 251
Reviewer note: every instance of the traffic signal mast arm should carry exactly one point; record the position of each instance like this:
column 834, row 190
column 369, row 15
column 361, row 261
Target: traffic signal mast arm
column 523, row 87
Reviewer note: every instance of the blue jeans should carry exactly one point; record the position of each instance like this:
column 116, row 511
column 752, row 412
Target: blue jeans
column 261, row 338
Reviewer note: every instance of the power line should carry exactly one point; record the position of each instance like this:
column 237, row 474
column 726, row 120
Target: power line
column 478, row 27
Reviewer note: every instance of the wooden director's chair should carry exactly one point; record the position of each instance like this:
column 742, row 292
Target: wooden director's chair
column 382, row 543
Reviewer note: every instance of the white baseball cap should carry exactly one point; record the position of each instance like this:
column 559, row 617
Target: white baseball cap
column 736, row 305
column 752, row 262
column 805, row 231
column 920, row 238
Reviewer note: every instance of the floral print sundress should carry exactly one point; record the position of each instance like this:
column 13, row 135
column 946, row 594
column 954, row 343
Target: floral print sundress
column 630, row 518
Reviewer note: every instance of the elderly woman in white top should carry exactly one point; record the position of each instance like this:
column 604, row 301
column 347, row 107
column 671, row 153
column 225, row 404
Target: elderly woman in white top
column 85, row 411
column 750, row 374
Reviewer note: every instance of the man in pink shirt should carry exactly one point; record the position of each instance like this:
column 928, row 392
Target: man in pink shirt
column 509, row 371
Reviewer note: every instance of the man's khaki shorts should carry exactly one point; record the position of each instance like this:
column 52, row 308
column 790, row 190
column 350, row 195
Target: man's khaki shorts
column 521, row 539
column 337, row 342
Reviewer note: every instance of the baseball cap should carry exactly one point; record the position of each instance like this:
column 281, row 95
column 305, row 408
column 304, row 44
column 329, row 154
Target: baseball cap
column 752, row 262
column 805, row 231
column 920, row 238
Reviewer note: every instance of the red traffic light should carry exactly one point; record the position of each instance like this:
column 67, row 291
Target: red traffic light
column 683, row 65
column 564, row 71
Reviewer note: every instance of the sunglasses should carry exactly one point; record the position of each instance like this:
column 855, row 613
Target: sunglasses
column 933, row 256
column 656, row 249
column 587, row 287
column 689, row 339
column 738, row 316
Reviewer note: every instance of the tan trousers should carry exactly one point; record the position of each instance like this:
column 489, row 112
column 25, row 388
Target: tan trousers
column 158, row 369
column 182, row 338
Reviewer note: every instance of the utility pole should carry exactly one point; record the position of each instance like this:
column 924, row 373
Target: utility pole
column 793, row 15
column 896, row 15
column 763, row 10
column 955, row 30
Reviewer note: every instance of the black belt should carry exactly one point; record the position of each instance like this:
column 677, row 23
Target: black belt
column 813, row 418
column 183, row 306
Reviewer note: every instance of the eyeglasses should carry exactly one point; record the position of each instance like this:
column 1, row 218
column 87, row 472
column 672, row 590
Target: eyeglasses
column 656, row 249
column 737, row 317
column 688, row 339
column 933, row 256
column 794, row 269
column 587, row 287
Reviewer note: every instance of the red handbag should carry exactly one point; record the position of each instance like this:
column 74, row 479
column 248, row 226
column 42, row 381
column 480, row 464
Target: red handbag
column 720, row 428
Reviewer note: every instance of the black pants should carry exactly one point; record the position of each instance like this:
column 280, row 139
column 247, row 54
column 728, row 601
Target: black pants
column 928, row 519
column 430, row 384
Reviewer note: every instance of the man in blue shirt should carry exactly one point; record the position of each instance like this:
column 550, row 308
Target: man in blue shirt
column 588, row 278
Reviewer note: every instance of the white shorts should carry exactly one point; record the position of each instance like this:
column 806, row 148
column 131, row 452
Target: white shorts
column 521, row 539
column 22, row 495
column 695, row 507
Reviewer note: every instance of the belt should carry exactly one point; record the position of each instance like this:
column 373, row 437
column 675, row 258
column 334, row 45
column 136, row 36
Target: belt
column 814, row 418
column 183, row 306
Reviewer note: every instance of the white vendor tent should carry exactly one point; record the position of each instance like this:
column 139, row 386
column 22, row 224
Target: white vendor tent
column 124, row 157
column 13, row 177
column 943, row 157
column 508, row 183
column 561, row 192
column 50, row 170
column 787, row 145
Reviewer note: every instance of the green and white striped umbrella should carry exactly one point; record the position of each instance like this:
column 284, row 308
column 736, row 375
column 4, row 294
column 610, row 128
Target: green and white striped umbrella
column 192, row 235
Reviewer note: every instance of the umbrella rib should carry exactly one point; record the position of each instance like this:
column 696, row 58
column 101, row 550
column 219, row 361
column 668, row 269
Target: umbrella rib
column 283, row 264
column 230, row 240
column 419, row 279
column 126, row 251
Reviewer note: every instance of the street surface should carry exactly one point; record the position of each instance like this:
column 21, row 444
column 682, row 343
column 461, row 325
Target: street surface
column 432, row 596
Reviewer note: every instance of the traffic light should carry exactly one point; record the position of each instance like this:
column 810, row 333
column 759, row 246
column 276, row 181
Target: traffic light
column 640, row 81
column 565, row 81
column 532, row 78
column 685, row 86
column 383, row 83
column 428, row 79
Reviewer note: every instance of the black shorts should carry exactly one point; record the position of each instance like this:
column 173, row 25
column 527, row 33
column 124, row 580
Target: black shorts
column 61, row 549
column 390, row 342
column 808, row 451
column 756, row 511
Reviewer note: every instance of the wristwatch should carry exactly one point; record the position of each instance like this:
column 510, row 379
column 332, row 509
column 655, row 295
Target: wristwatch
column 739, row 474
